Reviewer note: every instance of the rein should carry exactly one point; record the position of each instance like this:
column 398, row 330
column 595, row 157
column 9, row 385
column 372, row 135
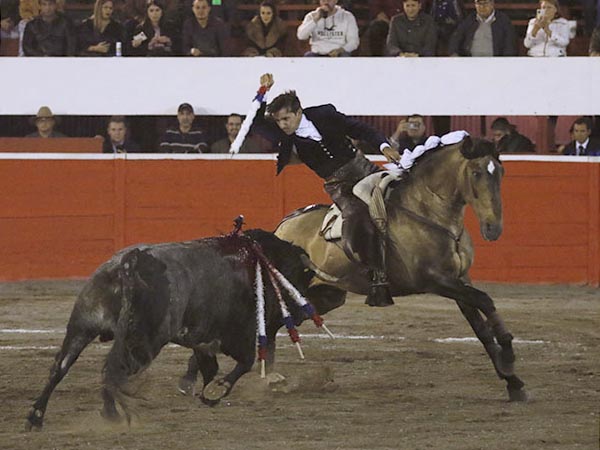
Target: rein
column 431, row 223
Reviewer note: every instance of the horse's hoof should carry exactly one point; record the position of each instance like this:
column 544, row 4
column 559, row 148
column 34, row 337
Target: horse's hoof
column 187, row 386
column 112, row 416
column 216, row 389
column 517, row 395
column 35, row 420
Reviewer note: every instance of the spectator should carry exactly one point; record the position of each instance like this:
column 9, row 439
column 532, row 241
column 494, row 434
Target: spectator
column 154, row 36
column 134, row 15
column 49, row 34
column 446, row 14
column 9, row 12
column 117, row 140
column 409, row 133
column 507, row 139
column 266, row 32
column 99, row 34
column 45, row 122
column 486, row 32
column 412, row 33
column 233, row 125
column 595, row 42
column 203, row 34
column 380, row 16
column 548, row 34
column 185, row 138
column 331, row 29
column 28, row 10
column 583, row 144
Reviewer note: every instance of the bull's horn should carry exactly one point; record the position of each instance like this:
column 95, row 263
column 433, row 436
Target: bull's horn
column 318, row 272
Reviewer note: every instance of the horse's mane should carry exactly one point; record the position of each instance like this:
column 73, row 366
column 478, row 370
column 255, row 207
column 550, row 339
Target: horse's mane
column 469, row 148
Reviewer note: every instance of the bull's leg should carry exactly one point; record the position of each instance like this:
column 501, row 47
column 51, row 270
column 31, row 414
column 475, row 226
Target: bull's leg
column 187, row 383
column 514, row 385
column 73, row 344
column 325, row 298
column 474, row 298
column 221, row 387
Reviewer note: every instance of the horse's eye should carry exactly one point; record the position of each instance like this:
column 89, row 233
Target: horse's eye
column 476, row 174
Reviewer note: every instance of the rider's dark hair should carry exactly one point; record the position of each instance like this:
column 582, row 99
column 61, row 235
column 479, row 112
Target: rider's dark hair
column 288, row 100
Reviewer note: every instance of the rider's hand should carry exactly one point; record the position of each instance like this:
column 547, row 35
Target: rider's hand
column 267, row 80
column 391, row 154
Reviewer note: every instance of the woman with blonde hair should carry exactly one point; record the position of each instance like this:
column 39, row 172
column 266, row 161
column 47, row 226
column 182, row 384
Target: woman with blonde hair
column 266, row 32
column 99, row 33
column 548, row 34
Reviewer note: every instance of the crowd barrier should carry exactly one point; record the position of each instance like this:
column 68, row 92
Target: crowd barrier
column 61, row 215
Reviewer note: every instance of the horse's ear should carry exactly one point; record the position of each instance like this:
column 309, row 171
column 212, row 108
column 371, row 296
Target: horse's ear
column 477, row 149
column 466, row 147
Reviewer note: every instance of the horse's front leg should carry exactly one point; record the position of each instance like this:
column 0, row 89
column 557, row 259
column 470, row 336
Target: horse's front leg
column 472, row 301
column 505, row 371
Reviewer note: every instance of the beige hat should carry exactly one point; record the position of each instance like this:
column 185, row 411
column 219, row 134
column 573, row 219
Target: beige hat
column 44, row 113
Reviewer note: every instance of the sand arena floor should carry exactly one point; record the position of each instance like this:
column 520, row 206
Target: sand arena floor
column 395, row 378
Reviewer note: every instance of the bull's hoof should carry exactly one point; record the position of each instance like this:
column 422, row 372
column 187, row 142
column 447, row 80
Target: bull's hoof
column 208, row 402
column 187, row 386
column 216, row 389
column 35, row 420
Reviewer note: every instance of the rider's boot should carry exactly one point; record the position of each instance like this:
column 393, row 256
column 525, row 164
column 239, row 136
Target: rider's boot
column 379, row 291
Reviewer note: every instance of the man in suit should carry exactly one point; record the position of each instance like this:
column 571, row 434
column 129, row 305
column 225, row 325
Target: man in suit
column 320, row 138
column 583, row 144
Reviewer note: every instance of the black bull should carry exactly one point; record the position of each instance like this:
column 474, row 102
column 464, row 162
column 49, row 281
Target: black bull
column 198, row 294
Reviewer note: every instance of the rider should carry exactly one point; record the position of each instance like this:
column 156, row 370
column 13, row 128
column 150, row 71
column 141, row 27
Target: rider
column 319, row 137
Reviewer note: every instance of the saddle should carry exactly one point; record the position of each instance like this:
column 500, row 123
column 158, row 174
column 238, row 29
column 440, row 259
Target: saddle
column 331, row 229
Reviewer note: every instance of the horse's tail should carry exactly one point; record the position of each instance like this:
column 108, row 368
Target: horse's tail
column 144, row 301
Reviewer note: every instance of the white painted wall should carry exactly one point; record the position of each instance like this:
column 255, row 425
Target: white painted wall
column 357, row 86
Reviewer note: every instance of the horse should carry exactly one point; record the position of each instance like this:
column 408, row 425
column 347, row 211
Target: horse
column 428, row 249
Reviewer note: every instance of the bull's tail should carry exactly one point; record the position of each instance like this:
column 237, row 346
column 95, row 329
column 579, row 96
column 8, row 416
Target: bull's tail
column 145, row 296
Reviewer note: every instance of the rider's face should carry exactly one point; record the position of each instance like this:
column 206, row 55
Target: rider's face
column 288, row 121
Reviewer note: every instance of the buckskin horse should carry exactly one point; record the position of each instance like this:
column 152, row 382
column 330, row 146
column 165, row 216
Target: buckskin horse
column 428, row 248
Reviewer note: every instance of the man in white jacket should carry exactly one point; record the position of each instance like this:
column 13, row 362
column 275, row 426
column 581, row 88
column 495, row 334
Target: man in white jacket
column 332, row 30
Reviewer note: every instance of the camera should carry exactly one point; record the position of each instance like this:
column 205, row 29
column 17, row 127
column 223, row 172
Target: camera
column 413, row 126
column 539, row 14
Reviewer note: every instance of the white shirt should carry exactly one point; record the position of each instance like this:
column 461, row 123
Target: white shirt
column 541, row 45
column 578, row 146
column 307, row 129
column 338, row 30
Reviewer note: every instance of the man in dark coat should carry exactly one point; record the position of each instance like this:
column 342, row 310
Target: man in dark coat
column 486, row 32
column 583, row 143
column 49, row 34
column 320, row 138
column 508, row 140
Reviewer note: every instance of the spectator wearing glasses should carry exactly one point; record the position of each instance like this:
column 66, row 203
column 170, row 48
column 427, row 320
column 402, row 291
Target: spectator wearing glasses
column 331, row 30
column 486, row 32
column 412, row 33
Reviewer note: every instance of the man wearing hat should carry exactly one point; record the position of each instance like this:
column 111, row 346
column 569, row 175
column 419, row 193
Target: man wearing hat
column 45, row 122
column 185, row 138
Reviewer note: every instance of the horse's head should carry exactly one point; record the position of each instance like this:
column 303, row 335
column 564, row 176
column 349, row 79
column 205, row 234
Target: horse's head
column 480, row 186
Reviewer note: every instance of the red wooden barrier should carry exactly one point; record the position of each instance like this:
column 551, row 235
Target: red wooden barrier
column 62, row 218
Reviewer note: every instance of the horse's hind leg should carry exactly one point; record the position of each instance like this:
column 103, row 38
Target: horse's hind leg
column 503, row 363
column 73, row 344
